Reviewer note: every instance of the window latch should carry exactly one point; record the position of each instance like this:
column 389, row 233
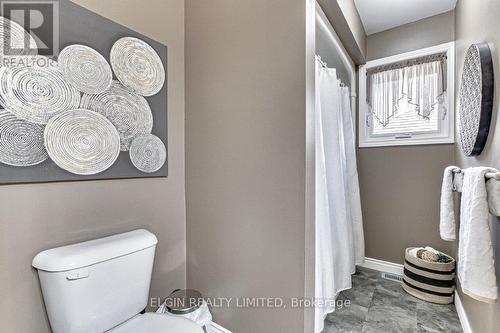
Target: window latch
column 403, row 136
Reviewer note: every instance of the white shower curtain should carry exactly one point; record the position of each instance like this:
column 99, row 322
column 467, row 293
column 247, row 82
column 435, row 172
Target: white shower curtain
column 339, row 226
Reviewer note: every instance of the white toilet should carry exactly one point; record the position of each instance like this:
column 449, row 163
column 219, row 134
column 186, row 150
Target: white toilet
column 103, row 286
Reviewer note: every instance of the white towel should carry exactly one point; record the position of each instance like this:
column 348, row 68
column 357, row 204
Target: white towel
column 413, row 252
column 476, row 264
column 447, row 213
column 431, row 249
column 493, row 189
column 458, row 181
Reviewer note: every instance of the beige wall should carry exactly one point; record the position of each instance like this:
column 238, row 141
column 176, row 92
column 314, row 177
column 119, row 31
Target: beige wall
column 477, row 21
column 400, row 186
column 400, row 192
column 41, row 216
column 245, row 156
column 430, row 31
column 353, row 19
column 346, row 21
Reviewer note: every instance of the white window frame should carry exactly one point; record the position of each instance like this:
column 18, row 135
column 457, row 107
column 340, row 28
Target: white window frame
column 446, row 133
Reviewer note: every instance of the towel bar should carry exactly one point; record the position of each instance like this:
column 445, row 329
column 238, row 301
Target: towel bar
column 492, row 187
column 491, row 175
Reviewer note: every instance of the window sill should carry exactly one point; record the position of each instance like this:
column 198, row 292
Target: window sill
column 406, row 142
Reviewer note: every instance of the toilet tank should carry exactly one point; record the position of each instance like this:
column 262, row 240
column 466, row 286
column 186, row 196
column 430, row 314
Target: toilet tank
column 93, row 286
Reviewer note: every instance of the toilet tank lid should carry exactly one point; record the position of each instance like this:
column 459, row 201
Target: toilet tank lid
column 88, row 253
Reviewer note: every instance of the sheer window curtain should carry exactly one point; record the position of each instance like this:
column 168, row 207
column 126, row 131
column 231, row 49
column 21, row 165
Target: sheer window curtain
column 422, row 85
column 339, row 229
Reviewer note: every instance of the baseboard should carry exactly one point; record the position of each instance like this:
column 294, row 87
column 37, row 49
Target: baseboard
column 216, row 328
column 462, row 315
column 383, row 266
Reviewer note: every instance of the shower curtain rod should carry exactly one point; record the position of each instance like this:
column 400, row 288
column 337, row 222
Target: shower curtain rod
column 346, row 59
column 337, row 43
column 325, row 65
column 321, row 61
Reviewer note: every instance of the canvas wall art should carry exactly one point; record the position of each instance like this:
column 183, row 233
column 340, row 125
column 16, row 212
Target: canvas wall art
column 95, row 110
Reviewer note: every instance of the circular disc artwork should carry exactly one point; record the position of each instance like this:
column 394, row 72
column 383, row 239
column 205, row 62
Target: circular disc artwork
column 476, row 99
column 137, row 65
column 21, row 142
column 148, row 153
column 82, row 142
column 37, row 91
column 128, row 112
column 12, row 34
column 85, row 69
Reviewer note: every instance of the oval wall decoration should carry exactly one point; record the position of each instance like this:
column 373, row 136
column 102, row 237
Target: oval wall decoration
column 82, row 142
column 476, row 99
column 148, row 153
column 85, row 69
column 127, row 111
column 13, row 34
column 37, row 90
column 21, row 142
column 137, row 66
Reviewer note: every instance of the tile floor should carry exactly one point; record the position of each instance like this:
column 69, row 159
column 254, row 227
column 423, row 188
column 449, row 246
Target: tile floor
column 382, row 306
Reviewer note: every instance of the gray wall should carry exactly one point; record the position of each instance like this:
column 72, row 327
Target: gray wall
column 400, row 186
column 353, row 19
column 40, row 216
column 345, row 19
column 245, row 156
column 329, row 54
column 430, row 31
column 477, row 21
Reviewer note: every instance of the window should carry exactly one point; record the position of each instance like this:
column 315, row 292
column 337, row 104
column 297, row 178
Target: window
column 408, row 99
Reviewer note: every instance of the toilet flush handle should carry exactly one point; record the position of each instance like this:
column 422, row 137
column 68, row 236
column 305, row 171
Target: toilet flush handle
column 82, row 274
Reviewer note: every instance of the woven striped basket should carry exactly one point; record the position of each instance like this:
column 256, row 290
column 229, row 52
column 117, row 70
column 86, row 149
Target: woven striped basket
column 430, row 281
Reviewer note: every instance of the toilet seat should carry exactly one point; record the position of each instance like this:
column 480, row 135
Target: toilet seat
column 156, row 323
